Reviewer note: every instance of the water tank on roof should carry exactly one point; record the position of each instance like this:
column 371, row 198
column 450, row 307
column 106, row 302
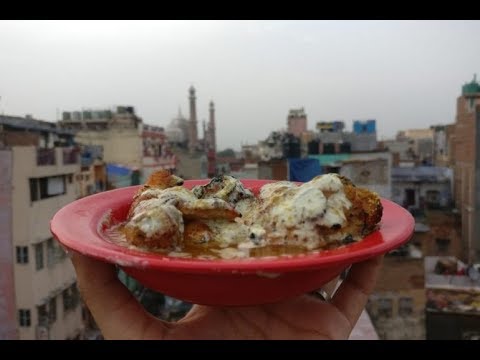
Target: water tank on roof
column 121, row 109
column 364, row 127
column 66, row 115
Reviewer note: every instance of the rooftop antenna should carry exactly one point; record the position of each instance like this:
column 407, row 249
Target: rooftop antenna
column 474, row 77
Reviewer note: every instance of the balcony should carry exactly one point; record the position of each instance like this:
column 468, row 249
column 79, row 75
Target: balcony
column 45, row 157
column 70, row 156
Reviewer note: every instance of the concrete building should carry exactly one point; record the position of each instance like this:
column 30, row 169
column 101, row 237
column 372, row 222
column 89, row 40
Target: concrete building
column 421, row 145
column 331, row 138
column 157, row 153
column 422, row 187
column 440, row 145
column 369, row 172
column 38, row 294
column 297, row 122
column 119, row 132
column 452, row 299
column 369, row 169
column 467, row 166
column 397, row 304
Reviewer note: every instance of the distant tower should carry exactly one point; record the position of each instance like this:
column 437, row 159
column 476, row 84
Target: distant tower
column 212, row 142
column 205, row 135
column 193, row 134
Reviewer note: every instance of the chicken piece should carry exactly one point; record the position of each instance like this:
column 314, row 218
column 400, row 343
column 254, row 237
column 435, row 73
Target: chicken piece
column 156, row 216
column 327, row 210
column 158, row 180
column 223, row 187
column 229, row 189
column 155, row 224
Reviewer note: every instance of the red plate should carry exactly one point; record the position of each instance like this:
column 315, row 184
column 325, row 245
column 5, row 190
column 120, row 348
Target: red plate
column 219, row 282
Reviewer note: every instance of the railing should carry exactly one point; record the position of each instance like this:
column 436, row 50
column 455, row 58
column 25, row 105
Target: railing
column 70, row 156
column 45, row 157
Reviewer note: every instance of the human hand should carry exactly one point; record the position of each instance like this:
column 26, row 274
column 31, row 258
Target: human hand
column 120, row 316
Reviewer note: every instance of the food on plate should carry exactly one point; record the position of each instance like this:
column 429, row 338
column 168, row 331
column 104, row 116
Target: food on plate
column 226, row 220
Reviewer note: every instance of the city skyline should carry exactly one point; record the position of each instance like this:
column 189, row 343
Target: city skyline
column 404, row 74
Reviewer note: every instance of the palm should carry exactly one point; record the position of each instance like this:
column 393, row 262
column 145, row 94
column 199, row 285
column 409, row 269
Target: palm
column 120, row 316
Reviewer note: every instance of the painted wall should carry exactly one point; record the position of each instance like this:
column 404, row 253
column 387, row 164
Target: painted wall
column 31, row 226
column 120, row 146
column 8, row 321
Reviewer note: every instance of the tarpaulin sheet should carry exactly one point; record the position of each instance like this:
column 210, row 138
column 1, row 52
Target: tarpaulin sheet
column 303, row 169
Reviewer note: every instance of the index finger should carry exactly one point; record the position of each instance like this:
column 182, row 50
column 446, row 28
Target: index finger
column 115, row 310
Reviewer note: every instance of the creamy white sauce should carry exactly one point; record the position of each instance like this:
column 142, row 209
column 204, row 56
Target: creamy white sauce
column 283, row 214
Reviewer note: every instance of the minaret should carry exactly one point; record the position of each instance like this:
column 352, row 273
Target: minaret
column 205, row 135
column 211, row 128
column 193, row 135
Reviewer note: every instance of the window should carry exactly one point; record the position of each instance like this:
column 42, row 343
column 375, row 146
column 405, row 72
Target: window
column 442, row 244
column 24, row 317
column 52, row 310
column 45, row 187
column 50, row 253
column 34, row 196
column 405, row 306
column 22, row 255
column 385, row 307
column 42, row 315
column 39, row 256
column 70, row 178
column 433, row 198
column 71, row 298
column 55, row 253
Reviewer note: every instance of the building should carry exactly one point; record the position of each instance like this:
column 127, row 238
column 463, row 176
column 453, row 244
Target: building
column 440, row 145
column 195, row 158
column 177, row 131
column 397, row 304
column 297, row 122
column 156, row 151
column 452, row 299
column 368, row 169
column 93, row 171
column 364, row 135
column 422, row 187
column 119, row 132
column 38, row 294
column 369, row 172
column 467, row 165
column 421, row 144
column 331, row 138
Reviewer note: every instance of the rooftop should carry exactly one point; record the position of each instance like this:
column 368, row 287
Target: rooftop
column 32, row 125
column 422, row 174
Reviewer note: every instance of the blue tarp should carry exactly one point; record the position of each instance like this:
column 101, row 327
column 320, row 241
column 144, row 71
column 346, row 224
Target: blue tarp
column 303, row 169
column 119, row 176
column 117, row 170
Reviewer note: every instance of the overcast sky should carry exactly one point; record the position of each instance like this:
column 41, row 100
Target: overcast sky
column 405, row 74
